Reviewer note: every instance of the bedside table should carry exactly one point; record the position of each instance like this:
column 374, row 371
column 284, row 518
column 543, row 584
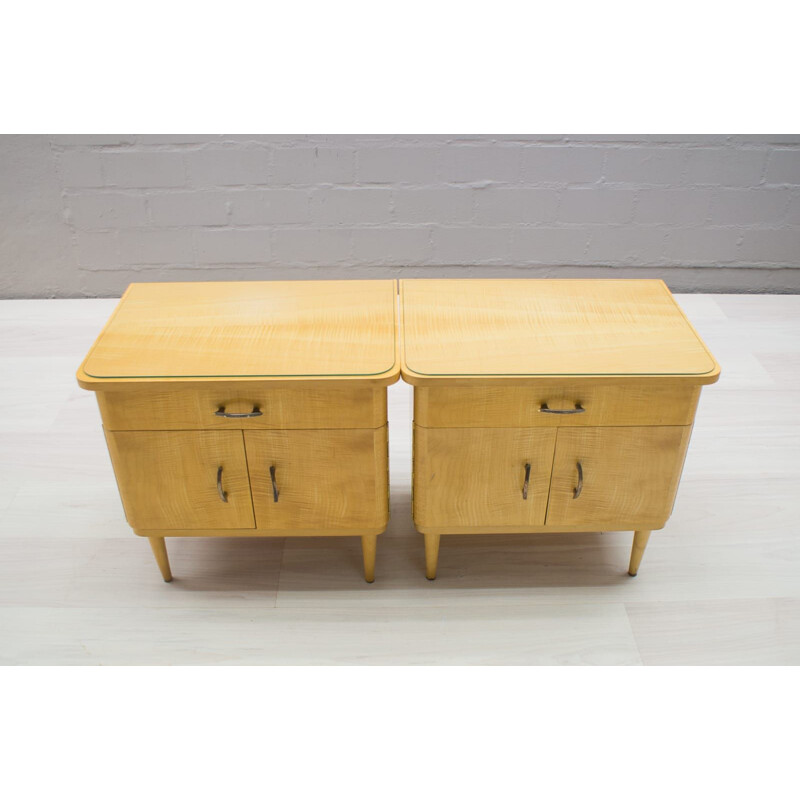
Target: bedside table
column 548, row 405
column 249, row 408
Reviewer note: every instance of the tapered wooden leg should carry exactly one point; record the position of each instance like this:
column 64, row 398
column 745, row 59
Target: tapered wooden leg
column 160, row 552
column 639, row 543
column 431, row 554
column 369, row 546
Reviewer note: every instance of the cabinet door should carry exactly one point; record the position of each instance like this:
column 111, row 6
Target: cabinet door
column 171, row 479
column 627, row 477
column 470, row 477
column 313, row 481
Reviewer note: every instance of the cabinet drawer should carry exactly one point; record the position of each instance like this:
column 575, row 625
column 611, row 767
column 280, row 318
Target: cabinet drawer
column 182, row 480
column 323, row 480
column 531, row 406
column 202, row 408
column 468, row 477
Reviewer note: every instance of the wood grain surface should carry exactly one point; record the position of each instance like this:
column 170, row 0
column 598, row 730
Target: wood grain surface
column 652, row 403
column 168, row 479
column 326, row 480
column 474, row 477
column 628, row 474
column 245, row 329
column 530, row 328
column 310, row 406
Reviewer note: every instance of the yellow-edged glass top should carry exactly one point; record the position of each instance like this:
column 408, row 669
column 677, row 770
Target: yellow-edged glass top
column 541, row 327
column 249, row 329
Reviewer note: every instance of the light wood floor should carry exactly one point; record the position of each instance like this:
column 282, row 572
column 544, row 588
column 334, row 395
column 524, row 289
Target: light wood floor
column 719, row 585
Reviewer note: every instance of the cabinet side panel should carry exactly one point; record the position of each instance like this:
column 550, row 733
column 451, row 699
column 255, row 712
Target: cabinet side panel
column 381, row 452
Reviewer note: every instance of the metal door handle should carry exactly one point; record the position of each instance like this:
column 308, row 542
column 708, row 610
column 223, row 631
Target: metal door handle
column 274, row 484
column 223, row 495
column 221, row 412
column 525, row 485
column 579, row 409
column 576, row 492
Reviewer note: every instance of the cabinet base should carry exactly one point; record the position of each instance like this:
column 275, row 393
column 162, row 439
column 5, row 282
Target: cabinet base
column 259, row 532
column 431, row 555
column 433, row 537
column 369, row 544
column 640, row 539
column 160, row 552
column 473, row 529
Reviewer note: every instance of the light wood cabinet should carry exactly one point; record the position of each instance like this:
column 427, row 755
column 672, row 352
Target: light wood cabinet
column 586, row 387
column 259, row 408
column 249, row 408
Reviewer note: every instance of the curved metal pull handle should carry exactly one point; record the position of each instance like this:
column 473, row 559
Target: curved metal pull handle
column 274, row 484
column 221, row 412
column 525, row 485
column 223, row 495
column 576, row 492
column 579, row 409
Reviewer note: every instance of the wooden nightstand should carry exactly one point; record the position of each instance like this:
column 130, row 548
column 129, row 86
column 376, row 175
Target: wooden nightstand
column 249, row 408
column 548, row 405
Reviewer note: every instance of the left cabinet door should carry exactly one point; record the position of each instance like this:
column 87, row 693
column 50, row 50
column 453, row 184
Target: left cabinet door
column 172, row 479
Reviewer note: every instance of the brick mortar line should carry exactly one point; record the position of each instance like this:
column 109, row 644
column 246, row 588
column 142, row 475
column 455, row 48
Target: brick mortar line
column 394, row 225
column 599, row 184
column 520, row 265
column 376, row 144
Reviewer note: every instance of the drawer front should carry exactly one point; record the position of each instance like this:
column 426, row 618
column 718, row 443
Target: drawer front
column 173, row 479
column 568, row 405
column 218, row 407
column 608, row 476
column 321, row 479
column 467, row 477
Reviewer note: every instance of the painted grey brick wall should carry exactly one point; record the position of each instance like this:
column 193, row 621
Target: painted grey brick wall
column 86, row 215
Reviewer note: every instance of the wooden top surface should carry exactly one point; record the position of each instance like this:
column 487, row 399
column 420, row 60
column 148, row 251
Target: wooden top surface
column 343, row 330
column 533, row 328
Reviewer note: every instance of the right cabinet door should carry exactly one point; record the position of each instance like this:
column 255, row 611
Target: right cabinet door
column 622, row 477
column 319, row 481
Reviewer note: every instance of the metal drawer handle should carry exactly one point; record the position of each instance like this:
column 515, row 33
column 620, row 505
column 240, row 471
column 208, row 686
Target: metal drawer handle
column 525, row 485
column 223, row 495
column 576, row 492
column 579, row 409
column 274, row 484
column 221, row 412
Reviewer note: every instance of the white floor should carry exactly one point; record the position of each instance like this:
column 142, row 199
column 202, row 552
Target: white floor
column 719, row 585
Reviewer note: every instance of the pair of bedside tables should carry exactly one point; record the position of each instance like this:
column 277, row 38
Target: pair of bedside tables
column 259, row 408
